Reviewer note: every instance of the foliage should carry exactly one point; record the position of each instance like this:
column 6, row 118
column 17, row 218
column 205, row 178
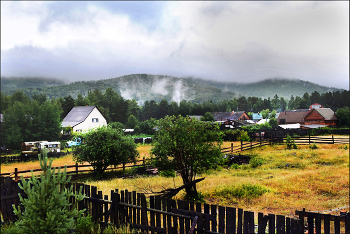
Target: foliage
column 256, row 162
column 273, row 122
column 343, row 115
column 241, row 191
column 85, row 225
column 244, row 136
column 290, row 143
column 31, row 121
column 167, row 173
column 188, row 146
column 116, row 125
column 207, row 117
column 313, row 146
column 46, row 208
column 104, row 147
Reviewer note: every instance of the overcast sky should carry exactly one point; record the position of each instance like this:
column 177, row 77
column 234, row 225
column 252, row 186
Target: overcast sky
column 225, row 41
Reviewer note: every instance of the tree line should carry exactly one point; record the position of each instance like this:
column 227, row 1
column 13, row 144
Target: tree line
column 37, row 117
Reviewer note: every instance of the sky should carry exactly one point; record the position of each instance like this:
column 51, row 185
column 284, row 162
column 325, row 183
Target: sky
column 231, row 41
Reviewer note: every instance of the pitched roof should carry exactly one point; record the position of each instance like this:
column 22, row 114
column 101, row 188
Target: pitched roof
column 223, row 116
column 77, row 115
column 292, row 116
column 257, row 116
column 326, row 113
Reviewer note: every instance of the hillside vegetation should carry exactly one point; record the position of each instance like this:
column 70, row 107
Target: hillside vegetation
column 142, row 87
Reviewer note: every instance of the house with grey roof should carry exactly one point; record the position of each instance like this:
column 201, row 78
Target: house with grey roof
column 83, row 118
column 320, row 116
column 224, row 116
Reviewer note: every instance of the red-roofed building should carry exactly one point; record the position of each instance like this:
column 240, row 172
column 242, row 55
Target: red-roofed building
column 316, row 105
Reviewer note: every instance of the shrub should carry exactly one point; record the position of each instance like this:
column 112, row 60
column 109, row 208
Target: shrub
column 234, row 166
column 167, row 173
column 313, row 146
column 290, row 143
column 85, row 225
column 255, row 162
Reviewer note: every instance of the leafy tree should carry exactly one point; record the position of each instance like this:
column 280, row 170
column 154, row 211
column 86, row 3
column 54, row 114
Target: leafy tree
column 116, row 125
column 104, row 147
column 265, row 113
column 188, row 146
column 343, row 116
column 41, row 98
column 67, row 105
column 273, row 122
column 207, row 117
column 47, row 206
column 132, row 122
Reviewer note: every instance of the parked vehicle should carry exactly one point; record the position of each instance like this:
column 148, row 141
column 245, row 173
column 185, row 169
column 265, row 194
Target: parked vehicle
column 76, row 141
column 35, row 147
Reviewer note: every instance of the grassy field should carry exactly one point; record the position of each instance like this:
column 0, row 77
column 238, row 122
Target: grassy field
column 277, row 180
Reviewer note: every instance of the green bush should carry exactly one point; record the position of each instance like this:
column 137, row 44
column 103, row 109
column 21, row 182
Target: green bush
column 290, row 143
column 235, row 166
column 256, row 162
column 167, row 173
column 313, row 146
column 85, row 225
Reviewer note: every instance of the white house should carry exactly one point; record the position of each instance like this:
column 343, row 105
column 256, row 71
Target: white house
column 83, row 118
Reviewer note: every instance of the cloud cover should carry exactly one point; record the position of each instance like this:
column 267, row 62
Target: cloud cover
column 224, row 41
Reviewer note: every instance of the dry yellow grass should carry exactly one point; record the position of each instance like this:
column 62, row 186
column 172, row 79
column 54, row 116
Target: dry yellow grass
column 317, row 180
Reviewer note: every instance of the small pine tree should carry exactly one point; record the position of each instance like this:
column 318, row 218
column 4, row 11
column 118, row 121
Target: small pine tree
column 47, row 208
column 290, row 143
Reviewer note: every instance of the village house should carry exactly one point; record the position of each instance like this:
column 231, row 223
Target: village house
column 83, row 118
column 292, row 117
column 320, row 116
column 224, row 116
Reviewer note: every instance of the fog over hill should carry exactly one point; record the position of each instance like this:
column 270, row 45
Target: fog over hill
column 142, row 87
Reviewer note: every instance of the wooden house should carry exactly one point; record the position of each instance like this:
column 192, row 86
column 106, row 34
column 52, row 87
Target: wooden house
column 321, row 116
column 292, row 117
column 83, row 118
column 224, row 116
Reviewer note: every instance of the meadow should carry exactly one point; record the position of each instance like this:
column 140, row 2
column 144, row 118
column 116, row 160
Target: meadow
column 277, row 180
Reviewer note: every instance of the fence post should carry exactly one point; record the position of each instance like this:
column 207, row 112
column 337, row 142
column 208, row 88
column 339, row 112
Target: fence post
column 333, row 139
column 251, row 145
column 76, row 169
column 309, row 139
column 241, row 145
column 143, row 161
column 16, row 173
column 231, row 147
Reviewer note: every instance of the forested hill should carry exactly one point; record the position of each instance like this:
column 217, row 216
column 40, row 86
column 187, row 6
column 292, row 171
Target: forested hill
column 142, row 87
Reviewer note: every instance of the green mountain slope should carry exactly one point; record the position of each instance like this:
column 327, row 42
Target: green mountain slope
column 142, row 87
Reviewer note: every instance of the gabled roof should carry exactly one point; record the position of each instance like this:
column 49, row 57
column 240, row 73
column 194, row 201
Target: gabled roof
column 77, row 115
column 292, row 116
column 326, row 113
column 223, row 116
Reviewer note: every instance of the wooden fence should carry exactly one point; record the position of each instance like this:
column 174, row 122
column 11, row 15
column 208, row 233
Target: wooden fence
column 75, row 173
column 159, row 215
column 23, row 158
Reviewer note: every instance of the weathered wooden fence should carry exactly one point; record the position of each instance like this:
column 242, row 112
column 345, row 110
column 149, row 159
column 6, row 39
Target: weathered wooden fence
column 75, row 173
column 23, row 158
column 159, row 215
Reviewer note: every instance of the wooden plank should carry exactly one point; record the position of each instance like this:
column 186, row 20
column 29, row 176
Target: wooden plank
column 94, row 207
column 327, row 224
column 188, row 222
column 318, row 224
column 168, row 209
column 206, row 223
column 310, row 223
column 138, row 212
column 271, row 224
column 221, row 219
column 213, row 212
column 288, row 227
column 181, row 220
column 337, row 225
column 175, row 218
column 134, row 202
column 200, row 218
column 230, row 220
column 158, row 206
column 164, row 208
column 240, row 221
column 106, row 214
column 280, row 224
column 152, row 214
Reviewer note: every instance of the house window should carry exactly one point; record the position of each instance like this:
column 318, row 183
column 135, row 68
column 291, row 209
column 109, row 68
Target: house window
column 94, row 120
column 78, row 130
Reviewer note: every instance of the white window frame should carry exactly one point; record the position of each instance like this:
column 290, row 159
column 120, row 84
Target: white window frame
column 95, row 120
